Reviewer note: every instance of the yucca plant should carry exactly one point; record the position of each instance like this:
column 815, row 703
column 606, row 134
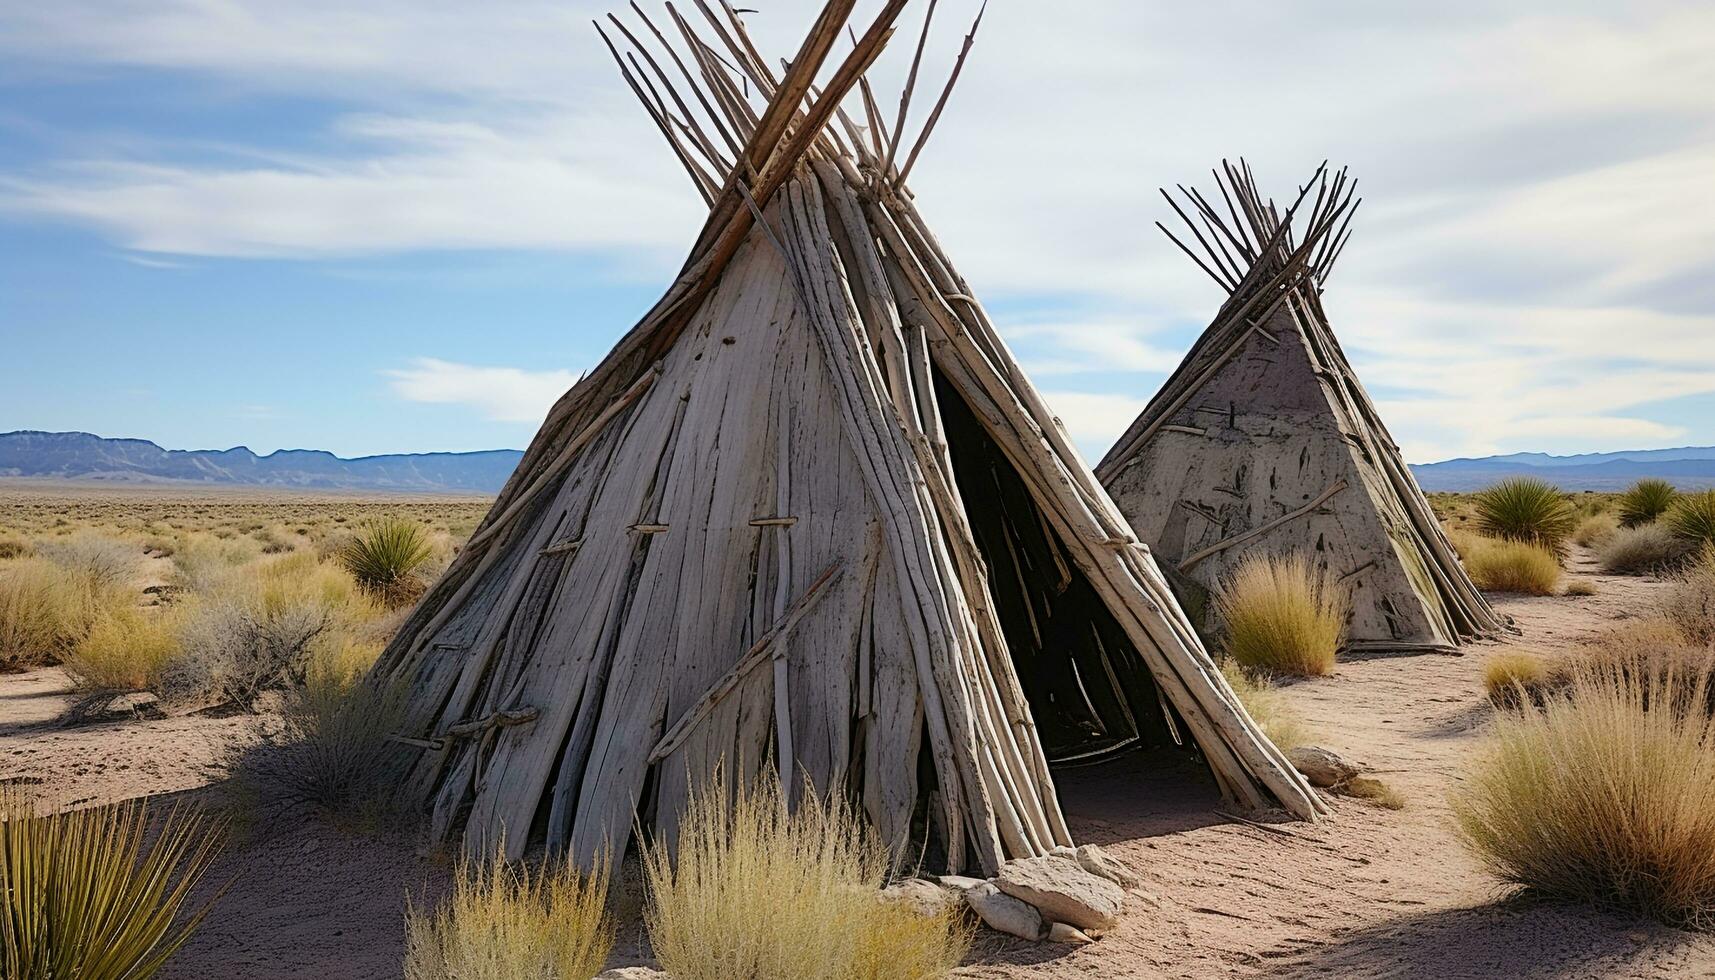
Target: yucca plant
column 1526, row 509
column 91, row 894
column 383, row 557
column 1647, row 500
column 1692, row 518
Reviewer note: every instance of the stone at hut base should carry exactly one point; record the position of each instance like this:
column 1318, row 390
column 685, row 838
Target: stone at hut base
column 1325, row 769
column 923, row 896
column 1099, row 862
column 1060, row 932
column 1003, row 913
column 1063, row 891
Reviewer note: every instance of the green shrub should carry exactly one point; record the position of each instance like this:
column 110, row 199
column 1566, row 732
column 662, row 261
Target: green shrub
column 1692, row 517
column 96, row 894
column 126, row 649
column 1282, row 614
column 815, row 870
column 1606, row 795
column 1647, row 500
column 1525, row 509
column 385, row 555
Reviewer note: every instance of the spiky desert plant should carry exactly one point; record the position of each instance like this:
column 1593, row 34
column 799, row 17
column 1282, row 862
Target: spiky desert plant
column 94, row 894
column 506, row 922
column 1525, row 509
column 1282, row 614
column 1647, row 500
column 383, row 557
column 1692, row 518
column 1607, row 794
column 816, row 868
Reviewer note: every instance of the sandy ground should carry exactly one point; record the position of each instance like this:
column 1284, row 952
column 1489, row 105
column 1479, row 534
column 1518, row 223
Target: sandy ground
column 1370, row 893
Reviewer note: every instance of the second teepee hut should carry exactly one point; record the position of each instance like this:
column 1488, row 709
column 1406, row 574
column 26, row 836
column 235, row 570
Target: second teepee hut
column 1263, row 440
column 807, row 513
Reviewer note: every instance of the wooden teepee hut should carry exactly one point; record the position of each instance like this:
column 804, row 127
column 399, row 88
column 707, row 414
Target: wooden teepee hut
column 808, row 513
column 1263, row 440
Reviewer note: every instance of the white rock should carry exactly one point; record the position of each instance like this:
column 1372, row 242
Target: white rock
column 632, row 973
column 1099, row 862
column 924, row 896
column 1322, row 767
column 1060, row 932
column 960, row 883
column 1061, row 850
column 1063, row 891
column 1003, row 913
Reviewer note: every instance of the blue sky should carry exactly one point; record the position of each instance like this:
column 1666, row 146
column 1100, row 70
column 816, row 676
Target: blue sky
column 391, row 226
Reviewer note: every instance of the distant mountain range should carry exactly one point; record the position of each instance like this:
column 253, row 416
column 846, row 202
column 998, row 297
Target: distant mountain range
column 84, row 457
column 1690, row 468
column 81, row 456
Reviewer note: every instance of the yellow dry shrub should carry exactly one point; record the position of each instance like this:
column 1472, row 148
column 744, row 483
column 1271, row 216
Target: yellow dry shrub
column 752, row 892
column 1606, row 794
column 1510, row 672
column 506, row 922
column 1513, row 566
column 126, row 649
column 1281, row 613
column 46, row 609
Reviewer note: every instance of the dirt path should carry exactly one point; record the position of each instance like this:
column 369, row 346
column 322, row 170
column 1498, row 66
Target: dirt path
column 1372, row 893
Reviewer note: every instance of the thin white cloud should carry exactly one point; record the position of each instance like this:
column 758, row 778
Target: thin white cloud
column 1094, row 421
column 500, row 394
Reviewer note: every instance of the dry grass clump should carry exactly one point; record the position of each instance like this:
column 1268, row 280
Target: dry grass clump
column 14, row 547
column 1514, row 677
column 106, row 563
column 46, row 609
column 1513, row 566
column 1579, row 587
column 1282, row 614
column 94, row 894
column 126, row 649
column 504, row 922
column 1647, row 500
column 1266, row 706
column 1595, row 530
column 1375, row 791
column 752, row 892
column 1606, row 795
column 1692, row 518
column 1525, row 509
column 1689, row 603
column 1648, row 550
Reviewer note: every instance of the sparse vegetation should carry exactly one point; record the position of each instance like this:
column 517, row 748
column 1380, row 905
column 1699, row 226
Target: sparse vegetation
column 385, row 555
column 1595, row 530
column 1648, row 550
column 1375, row 791
column 506, row 922
column 1264, row 703
column 1692, row 518
column 1282, row 614
column 96, row 894
column 1515, row 677
column 1689, row 603
column 1525, row 509
column 1579, row 587
column 816, row 871
column 1606, row 795
column 1513, row 566
column 1647, row 500
column 46, row 609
